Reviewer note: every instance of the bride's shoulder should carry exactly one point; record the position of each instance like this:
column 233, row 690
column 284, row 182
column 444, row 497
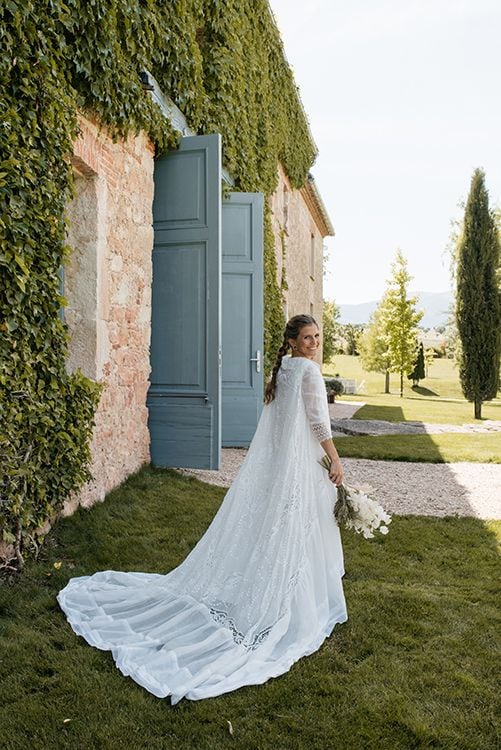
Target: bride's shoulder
column 300, row 364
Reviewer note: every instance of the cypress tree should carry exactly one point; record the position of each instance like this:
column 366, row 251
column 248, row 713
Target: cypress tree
column 418, row 372
column 478, row 301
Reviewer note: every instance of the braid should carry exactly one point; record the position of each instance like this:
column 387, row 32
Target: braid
column 270, row 388
column 292, row 329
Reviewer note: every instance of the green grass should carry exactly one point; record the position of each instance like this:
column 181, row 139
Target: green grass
column 442, row 376
column 438, row 401
column 415, row 666
column 439, row 398
column 442, row 448
column 414, row 408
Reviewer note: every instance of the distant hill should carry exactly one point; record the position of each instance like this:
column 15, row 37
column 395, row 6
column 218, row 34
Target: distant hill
column 435, row 305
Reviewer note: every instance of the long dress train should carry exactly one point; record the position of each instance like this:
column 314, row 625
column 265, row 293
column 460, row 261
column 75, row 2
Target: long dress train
column 261, row 588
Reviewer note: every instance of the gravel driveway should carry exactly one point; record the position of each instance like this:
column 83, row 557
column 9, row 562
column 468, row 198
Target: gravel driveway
column 463, row 489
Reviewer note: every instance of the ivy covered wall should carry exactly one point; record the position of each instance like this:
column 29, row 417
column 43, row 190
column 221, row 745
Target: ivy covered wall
column 222, row 62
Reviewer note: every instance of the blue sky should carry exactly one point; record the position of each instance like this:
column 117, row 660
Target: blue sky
column 403, row 98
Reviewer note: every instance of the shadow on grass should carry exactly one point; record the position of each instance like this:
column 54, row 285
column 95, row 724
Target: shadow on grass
column 412, row 667
column 387, row 436
column 384, row 412
column 424, row 391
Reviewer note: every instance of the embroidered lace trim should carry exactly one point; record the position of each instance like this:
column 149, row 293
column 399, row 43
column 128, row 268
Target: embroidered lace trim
column 247, row 642
column 321, row 432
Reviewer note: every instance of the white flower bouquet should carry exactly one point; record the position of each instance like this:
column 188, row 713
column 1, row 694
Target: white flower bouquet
column 355, row 510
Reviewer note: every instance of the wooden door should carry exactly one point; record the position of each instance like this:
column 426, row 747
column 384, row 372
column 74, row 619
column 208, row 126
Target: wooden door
column 242, row 242
column 184, row 399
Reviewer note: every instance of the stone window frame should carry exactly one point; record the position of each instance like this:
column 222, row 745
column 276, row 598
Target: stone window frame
column 83, row 274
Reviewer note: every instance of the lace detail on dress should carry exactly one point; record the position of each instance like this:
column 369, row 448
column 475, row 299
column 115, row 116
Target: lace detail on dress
column 248, row 642
column 260, row 589
column 321, row 432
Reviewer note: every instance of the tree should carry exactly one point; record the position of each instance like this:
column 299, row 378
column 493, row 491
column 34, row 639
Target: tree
column 478, row 300
column 401, row 319
column 330, row 313
column 374, row 344
column 351, row 334
column 429, row 358
column 418, row 373
column 452, row 342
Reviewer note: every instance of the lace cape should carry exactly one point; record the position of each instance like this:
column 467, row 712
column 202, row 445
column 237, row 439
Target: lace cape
column 260, row 589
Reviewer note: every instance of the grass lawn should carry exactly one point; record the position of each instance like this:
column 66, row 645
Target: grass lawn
column 438, row 398
column 442, row 448
column 415, row 666
column 438, row 401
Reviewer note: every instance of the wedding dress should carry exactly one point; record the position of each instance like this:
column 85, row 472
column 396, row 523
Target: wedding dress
column 262, row 587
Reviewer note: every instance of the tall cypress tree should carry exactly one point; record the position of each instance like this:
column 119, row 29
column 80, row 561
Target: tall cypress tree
column 418, row 372
column 478, row 300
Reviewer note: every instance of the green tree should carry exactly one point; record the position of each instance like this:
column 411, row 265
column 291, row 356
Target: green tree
column 374, row 344
column 351, row 334
column 452, row 342
column 478, row 302
column 401, row 320
column 330, row 313
column 429, row 358
column 418, row 373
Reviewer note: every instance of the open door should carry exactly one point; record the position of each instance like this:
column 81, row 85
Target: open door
column 184, row 399
column 243, row 375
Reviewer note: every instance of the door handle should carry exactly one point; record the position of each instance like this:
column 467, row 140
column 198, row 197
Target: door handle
column 257, row 360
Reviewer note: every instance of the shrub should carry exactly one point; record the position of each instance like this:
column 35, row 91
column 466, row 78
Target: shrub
column 44, row 453
column 334, row 388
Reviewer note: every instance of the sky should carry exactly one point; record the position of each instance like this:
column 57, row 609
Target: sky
column 403, row 99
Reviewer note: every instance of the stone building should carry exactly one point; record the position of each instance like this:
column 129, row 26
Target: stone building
column 108, row 286
column 300, row 223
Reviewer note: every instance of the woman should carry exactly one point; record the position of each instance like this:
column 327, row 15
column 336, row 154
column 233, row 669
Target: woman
column 262, row 587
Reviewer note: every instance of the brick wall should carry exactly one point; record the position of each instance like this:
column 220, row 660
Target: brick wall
column 108, row 287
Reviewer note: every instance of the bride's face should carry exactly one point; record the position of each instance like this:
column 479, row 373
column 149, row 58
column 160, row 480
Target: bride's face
column 307, row 342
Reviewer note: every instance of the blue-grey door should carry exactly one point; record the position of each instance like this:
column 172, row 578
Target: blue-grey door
column 184, row 399
column 242, row 316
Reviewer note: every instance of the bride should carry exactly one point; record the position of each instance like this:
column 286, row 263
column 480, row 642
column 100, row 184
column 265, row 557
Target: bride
column 262, row 587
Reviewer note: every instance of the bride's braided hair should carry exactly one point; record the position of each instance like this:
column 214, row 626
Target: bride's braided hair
column 292, row 330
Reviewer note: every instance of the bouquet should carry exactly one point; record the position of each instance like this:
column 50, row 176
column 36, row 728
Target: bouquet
column 356, row 510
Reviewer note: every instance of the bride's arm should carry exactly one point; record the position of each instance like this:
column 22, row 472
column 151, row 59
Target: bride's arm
column 317, row 410
column 336, row 473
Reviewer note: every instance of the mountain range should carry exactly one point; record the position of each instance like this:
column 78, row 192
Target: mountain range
column 435, row 305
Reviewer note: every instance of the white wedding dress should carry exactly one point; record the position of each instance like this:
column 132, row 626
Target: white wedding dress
column 262, row 587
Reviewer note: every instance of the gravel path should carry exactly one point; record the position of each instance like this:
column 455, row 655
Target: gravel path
column 463, row 489
column 342, row 424
column 348, row 426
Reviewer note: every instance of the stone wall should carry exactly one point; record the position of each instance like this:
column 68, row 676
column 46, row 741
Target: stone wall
column 299, row 251
column 108, row 288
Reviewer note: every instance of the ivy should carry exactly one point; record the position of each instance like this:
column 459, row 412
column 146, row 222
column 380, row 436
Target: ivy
column 222, row 62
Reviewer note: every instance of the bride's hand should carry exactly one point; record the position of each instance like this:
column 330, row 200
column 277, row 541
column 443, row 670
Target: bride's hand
column 336, row 473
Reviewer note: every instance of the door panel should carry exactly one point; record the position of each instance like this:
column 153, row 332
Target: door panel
column 184, row 399
column 242, row 240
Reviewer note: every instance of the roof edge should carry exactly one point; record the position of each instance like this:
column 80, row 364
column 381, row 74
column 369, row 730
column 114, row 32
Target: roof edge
column 317, row 207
